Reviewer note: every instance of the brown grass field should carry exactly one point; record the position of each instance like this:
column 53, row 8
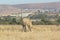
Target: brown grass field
column 39, row 32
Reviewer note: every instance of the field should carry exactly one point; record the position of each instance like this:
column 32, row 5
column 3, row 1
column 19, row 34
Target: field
column 39, row 32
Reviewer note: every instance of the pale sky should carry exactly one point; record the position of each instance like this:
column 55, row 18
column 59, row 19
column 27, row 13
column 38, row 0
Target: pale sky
column 26, row 1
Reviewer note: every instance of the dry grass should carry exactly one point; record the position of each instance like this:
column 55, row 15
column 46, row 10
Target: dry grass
column 39, row 32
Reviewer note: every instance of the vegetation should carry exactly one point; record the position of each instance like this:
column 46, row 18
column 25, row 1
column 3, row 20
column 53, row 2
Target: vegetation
column 9, row 20
column 43, row 17
column 58, row 21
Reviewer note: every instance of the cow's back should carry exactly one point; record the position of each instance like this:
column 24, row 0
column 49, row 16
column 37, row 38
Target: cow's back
column 27, row 21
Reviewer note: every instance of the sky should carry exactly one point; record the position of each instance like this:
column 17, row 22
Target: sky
column 25, row 1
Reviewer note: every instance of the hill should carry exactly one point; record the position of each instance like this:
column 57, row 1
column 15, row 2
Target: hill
column 14, row 9
column 39, row 5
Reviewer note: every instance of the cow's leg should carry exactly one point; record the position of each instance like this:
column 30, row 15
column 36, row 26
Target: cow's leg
column 29, row 27
column 24, row 28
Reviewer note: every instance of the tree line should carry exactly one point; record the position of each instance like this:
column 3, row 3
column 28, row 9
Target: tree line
column 13, row 20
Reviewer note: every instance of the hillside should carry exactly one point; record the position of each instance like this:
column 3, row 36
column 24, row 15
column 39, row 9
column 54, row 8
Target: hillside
column 39, row 5
column 9, row 9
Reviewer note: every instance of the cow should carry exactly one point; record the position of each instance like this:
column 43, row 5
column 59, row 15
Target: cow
column 26, row 23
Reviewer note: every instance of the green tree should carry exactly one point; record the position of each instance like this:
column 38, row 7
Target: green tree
column 58, row 21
